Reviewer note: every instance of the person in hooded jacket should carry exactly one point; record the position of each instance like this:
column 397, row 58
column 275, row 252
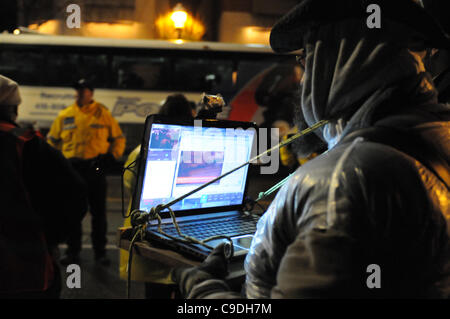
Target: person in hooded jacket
column 368, row 218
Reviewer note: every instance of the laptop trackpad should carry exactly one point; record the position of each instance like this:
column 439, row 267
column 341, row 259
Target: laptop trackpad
column 240, row 243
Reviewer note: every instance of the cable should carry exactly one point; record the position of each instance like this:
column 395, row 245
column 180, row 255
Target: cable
column 193, row 239
column 139, row 216
column 283, row 144
column 140, row 219
column 274, row 188
column 139, row 231
column 154, row 212
column 129, row 167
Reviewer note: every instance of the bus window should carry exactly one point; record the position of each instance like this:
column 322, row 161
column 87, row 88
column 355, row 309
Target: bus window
column 201, row 74
column 64, row 69
column 24, row 66
column 249, row 69
column 140, row 72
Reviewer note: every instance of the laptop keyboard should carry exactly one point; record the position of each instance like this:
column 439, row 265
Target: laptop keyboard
column 231, row 226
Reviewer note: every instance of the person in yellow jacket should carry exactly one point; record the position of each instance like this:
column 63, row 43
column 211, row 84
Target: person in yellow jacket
column 88, row 135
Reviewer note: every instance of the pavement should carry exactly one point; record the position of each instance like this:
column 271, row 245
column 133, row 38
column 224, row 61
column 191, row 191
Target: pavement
column 100, row 282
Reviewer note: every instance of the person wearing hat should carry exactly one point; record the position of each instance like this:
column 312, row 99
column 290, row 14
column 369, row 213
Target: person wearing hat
column 36, row 184
column 369, row 218
column 90, row 137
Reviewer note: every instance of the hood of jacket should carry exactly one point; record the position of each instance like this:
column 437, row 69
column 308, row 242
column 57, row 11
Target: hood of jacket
column 353, row 78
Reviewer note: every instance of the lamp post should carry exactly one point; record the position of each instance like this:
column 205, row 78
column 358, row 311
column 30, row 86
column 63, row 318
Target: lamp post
column 179, row 17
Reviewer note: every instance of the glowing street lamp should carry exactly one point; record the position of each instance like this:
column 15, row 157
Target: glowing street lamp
column 179, row 17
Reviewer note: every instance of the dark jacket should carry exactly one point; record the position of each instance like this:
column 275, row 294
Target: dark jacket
column 41, row 197
column 378, row 199
column 380, row 196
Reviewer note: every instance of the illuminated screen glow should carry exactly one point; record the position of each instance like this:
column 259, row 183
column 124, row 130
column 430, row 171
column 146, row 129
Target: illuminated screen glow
column 182, row 158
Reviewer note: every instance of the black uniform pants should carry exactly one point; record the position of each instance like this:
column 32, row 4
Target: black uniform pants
column 95, row 180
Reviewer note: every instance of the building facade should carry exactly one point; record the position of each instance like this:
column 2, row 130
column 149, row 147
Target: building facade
column 234, row 21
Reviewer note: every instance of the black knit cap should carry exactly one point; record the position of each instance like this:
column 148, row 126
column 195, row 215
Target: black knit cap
column 83, row 84
column 288, row 33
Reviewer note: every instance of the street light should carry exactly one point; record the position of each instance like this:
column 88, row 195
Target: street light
column 179, row 17
column 178, row 24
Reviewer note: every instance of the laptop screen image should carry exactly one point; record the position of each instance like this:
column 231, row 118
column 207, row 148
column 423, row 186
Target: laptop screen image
column 181, row 158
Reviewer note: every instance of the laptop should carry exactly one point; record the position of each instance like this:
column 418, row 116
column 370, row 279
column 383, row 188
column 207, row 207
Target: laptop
column 178, row 156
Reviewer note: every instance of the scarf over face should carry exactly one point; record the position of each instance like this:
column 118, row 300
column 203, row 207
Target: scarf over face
column 355, row 75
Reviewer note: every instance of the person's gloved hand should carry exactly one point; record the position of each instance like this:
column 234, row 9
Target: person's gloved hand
column 216, row 263
column 215, row 266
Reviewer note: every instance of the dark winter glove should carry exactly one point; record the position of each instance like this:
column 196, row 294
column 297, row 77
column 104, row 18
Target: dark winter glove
column 215, row 266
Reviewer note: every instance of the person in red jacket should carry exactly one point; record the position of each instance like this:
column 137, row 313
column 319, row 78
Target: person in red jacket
column 41, row 196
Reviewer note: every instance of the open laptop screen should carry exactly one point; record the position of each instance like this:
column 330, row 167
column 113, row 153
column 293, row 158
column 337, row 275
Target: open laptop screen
column 181, row 158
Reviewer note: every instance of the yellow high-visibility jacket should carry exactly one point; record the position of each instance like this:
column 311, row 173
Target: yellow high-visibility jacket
column 86, row 132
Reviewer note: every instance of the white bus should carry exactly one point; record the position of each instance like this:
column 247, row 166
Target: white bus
column 131, row 77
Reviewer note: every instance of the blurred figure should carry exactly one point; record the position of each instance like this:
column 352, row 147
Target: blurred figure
column 156, row 276
column 41, row 197
column 193, row 109
column 277, row 94
column 92, row 140
column 304, row 148
column 178, row 106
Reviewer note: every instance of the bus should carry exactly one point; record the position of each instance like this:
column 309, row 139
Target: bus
column 131, row 77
